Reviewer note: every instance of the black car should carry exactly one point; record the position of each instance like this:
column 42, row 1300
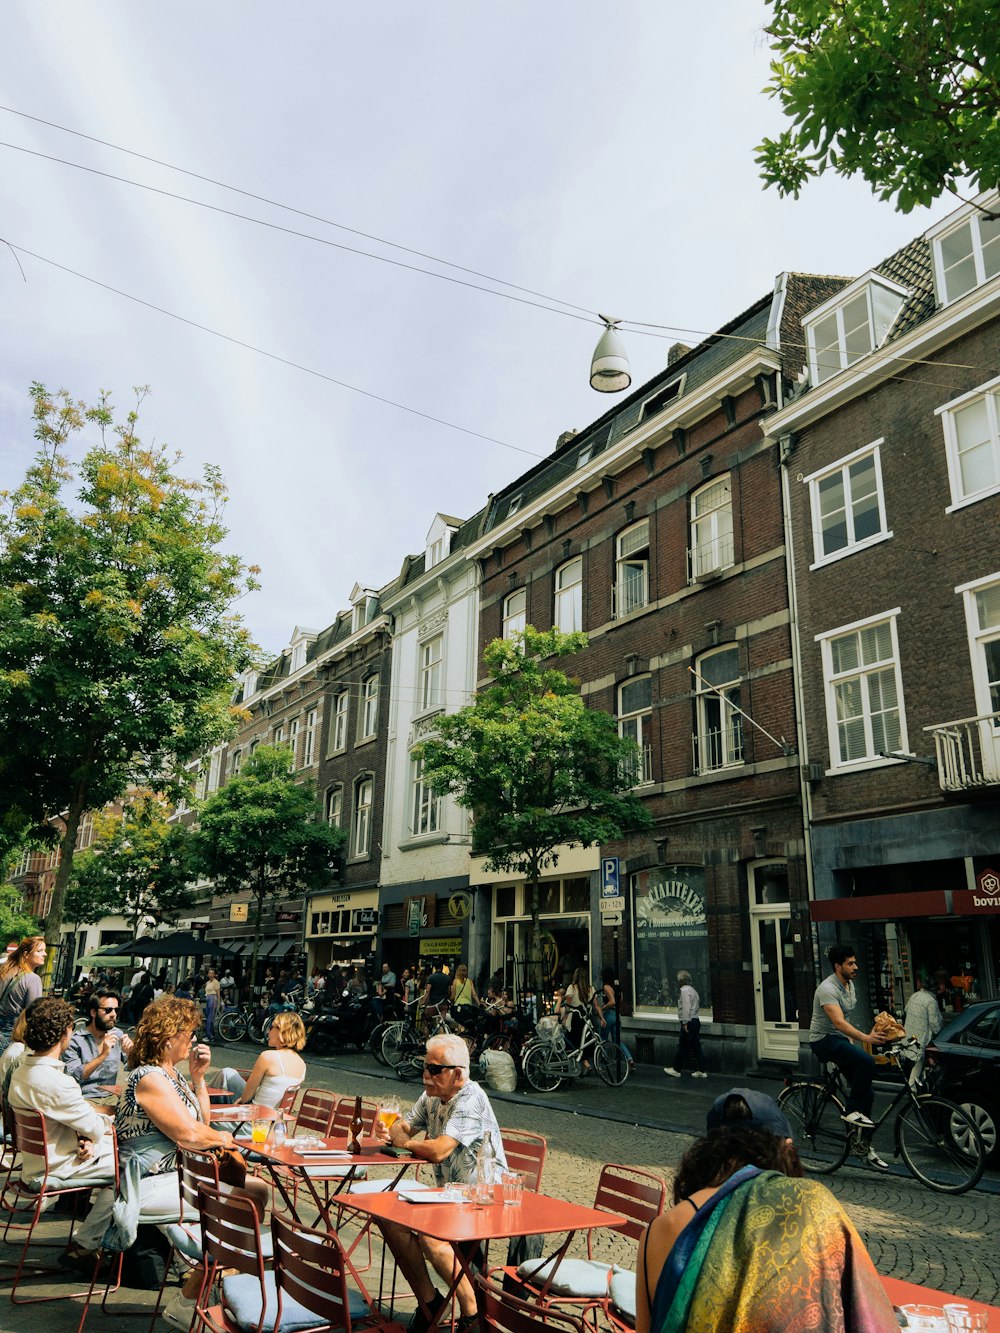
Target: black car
column 963, row 1063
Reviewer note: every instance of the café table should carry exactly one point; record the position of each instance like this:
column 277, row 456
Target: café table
column 244, row 1113
column 928, row 1313
column 467, row 1226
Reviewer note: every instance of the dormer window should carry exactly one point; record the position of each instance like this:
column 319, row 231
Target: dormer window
column 515, row 504
column 966, row 254
column 299, row 656
column 249, row 684
column 298, row 649
column 659, row 400
column 584, row 455
column 435, row 553
column 364, row 604
column 851, row 324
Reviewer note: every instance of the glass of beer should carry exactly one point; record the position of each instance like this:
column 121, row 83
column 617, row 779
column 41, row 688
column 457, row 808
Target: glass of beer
column 388, row 1112
column 259, row 1130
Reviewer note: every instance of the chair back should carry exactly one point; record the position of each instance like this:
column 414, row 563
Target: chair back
column 504, row 1313
column 309, row 1267
column 230, row 1233
column 287, row 1102
column 345, row 1114
column 316, row 1112
column 639, row 1195
column 194, row 1169
column 525, row 1153
column 29, row 1134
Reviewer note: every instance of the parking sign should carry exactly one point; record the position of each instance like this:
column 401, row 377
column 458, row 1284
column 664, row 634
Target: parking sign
column 609, row 877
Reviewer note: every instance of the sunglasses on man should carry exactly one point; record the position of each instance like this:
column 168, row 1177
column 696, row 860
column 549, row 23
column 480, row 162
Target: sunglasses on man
column 435, row 1069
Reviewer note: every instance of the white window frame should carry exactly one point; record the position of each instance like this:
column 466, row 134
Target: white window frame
column 990, row 393
column 361, row 824
column 278, row 737
column 299, row 656
column 839, row 347
column 435, row 553
column 431, row 672
column 978, row 639
column 425, row 806
column 631, row 590
column 214, row 770
column 335, row 806
column 234, row 763
column 338, row 723
column 368, row 712
column 515, row 504
column 293, row 740
column 843, row 466
column 637, row 725
column 870, row 759
column 711, row 532
column 715, row 702
column 568, row 608
column 972, row 219
column 309, row 739
column 514, row 621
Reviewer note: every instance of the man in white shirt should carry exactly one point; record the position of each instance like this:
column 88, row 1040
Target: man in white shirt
column 78, row 1139
column 922, row 1020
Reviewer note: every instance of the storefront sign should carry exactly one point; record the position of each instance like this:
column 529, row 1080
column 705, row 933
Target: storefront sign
column 364, row 918
column 612, row 905
column 415, row 916
column 445, row 947
column 671, row 934
column 984, row 899
column 459, row 906
column 288, row 917
column 239, row 911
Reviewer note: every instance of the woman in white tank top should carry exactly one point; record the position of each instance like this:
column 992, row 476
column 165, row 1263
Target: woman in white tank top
column 276, row 1070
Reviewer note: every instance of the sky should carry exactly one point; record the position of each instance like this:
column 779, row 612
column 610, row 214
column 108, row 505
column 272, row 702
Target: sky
column 600, row 155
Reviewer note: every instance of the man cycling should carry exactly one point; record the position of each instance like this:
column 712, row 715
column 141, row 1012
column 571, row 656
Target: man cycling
column 830, row 1035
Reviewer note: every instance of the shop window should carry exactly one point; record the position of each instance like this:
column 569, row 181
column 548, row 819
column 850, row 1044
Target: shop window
column 505, row 900
column 670, row 934
column 576, row 895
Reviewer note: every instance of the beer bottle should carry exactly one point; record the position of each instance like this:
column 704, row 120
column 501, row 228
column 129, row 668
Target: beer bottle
column 357, row 1126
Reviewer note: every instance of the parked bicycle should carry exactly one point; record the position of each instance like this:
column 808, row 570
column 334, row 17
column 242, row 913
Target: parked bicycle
column 549, row 1059
column 937, row 1140
column 403, row 1042
column 246, row 1022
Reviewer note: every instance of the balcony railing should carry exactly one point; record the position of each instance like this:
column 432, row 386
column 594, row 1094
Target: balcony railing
column 710, row 559
column 968, row 752
column 637, row 770
column 713, row 750
column 630, row 593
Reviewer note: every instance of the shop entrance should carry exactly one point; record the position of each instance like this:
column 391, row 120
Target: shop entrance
column 773, row 957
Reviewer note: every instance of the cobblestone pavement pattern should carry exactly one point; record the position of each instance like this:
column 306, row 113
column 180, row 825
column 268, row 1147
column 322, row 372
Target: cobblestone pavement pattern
column 936, row 1240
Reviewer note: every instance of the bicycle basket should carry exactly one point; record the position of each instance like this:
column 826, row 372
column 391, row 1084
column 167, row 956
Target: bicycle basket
column 549, row 1029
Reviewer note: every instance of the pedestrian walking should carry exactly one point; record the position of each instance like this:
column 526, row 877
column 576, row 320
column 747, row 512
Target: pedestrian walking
column 689, row 1041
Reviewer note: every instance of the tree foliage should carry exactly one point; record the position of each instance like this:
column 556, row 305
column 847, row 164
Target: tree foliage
column 905, row 93
column 264, row 832
column 118, row 644
column 537, row 768
column 137, row 866
column 16, row 922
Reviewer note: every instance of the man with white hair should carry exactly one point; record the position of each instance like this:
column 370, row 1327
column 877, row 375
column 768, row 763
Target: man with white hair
column 455, row 1116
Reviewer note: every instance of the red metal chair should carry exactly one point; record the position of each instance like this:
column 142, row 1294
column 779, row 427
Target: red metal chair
column 525, row 1153
column 231, row 1240
column 500, row 1312
column 315, row 1116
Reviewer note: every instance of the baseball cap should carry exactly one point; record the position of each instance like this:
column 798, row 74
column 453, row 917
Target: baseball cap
column 746, row 1106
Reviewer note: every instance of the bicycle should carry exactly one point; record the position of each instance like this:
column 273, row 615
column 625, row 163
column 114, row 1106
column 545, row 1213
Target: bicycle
column 936, row 1139
column 549, row 1059
column 403, row 1042
column 242, row 1023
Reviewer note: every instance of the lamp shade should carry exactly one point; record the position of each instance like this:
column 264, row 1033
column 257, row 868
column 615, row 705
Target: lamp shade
column 609, row 369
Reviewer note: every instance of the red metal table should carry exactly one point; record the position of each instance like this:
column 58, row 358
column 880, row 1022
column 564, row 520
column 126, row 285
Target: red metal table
column 343, row 1168
column 467, row 1226
column 931, row 1303
column 244, row 1112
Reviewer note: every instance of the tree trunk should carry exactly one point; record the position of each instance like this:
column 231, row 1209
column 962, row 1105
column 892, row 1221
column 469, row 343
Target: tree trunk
column 67, row 848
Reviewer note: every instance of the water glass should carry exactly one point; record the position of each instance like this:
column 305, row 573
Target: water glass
column 960, row 1318
column 513, row 1187
column 924, row 1318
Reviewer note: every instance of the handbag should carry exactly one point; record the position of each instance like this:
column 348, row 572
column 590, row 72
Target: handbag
column 232, row 1166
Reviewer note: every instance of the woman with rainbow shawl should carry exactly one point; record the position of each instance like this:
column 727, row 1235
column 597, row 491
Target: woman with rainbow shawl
column 750, row 1246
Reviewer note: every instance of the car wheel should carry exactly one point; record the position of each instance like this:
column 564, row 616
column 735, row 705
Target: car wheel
column 987, row 1120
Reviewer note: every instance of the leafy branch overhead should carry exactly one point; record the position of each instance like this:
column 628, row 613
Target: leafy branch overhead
column 905, row 94
column 537, row 768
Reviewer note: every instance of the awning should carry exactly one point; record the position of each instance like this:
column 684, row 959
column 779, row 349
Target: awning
column 267, row 943
column 283, row 946
column 240, row 947
column 882, row 906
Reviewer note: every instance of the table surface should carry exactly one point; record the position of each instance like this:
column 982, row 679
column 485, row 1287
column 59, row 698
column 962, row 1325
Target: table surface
column 244, row 1111
column 370, row 1155
column 908, row 1293
column 536, row 1214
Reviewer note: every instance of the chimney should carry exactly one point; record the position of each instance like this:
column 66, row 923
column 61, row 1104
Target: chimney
column 676, row 352
column 565, row 437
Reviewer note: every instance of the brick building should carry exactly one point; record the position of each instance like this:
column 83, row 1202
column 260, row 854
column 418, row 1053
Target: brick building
column 659, row 532
column 892, row 469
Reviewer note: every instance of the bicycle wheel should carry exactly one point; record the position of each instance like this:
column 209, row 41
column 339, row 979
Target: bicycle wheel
column 539, row 1071
column 260, row 1034
column 401, row 1042
column 611, row 1062
column 819, row 1133
column 375, row 1041
column 231, row 1027
column 940, row 1145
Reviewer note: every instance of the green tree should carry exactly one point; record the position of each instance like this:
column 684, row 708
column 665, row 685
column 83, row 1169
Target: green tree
column 16, row 922
column 264, row 832
column 118, row 643
column 138, row 866
column 536, row 767
column 905, row 94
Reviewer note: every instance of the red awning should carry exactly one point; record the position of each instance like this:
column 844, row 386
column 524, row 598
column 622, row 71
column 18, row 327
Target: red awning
column 882, row 906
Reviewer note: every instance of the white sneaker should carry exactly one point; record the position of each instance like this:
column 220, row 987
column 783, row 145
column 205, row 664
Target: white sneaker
column 699, row 1073
column 669, row 1069
column 179, row 1311
column 874, row 1160
column 858, row 1118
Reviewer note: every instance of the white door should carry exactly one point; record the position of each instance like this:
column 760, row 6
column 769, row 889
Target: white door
column 773, row 958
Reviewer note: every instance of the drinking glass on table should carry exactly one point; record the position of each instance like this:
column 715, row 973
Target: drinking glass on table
column 388, row 1111
column 513, row 1187
column 259, row 1130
